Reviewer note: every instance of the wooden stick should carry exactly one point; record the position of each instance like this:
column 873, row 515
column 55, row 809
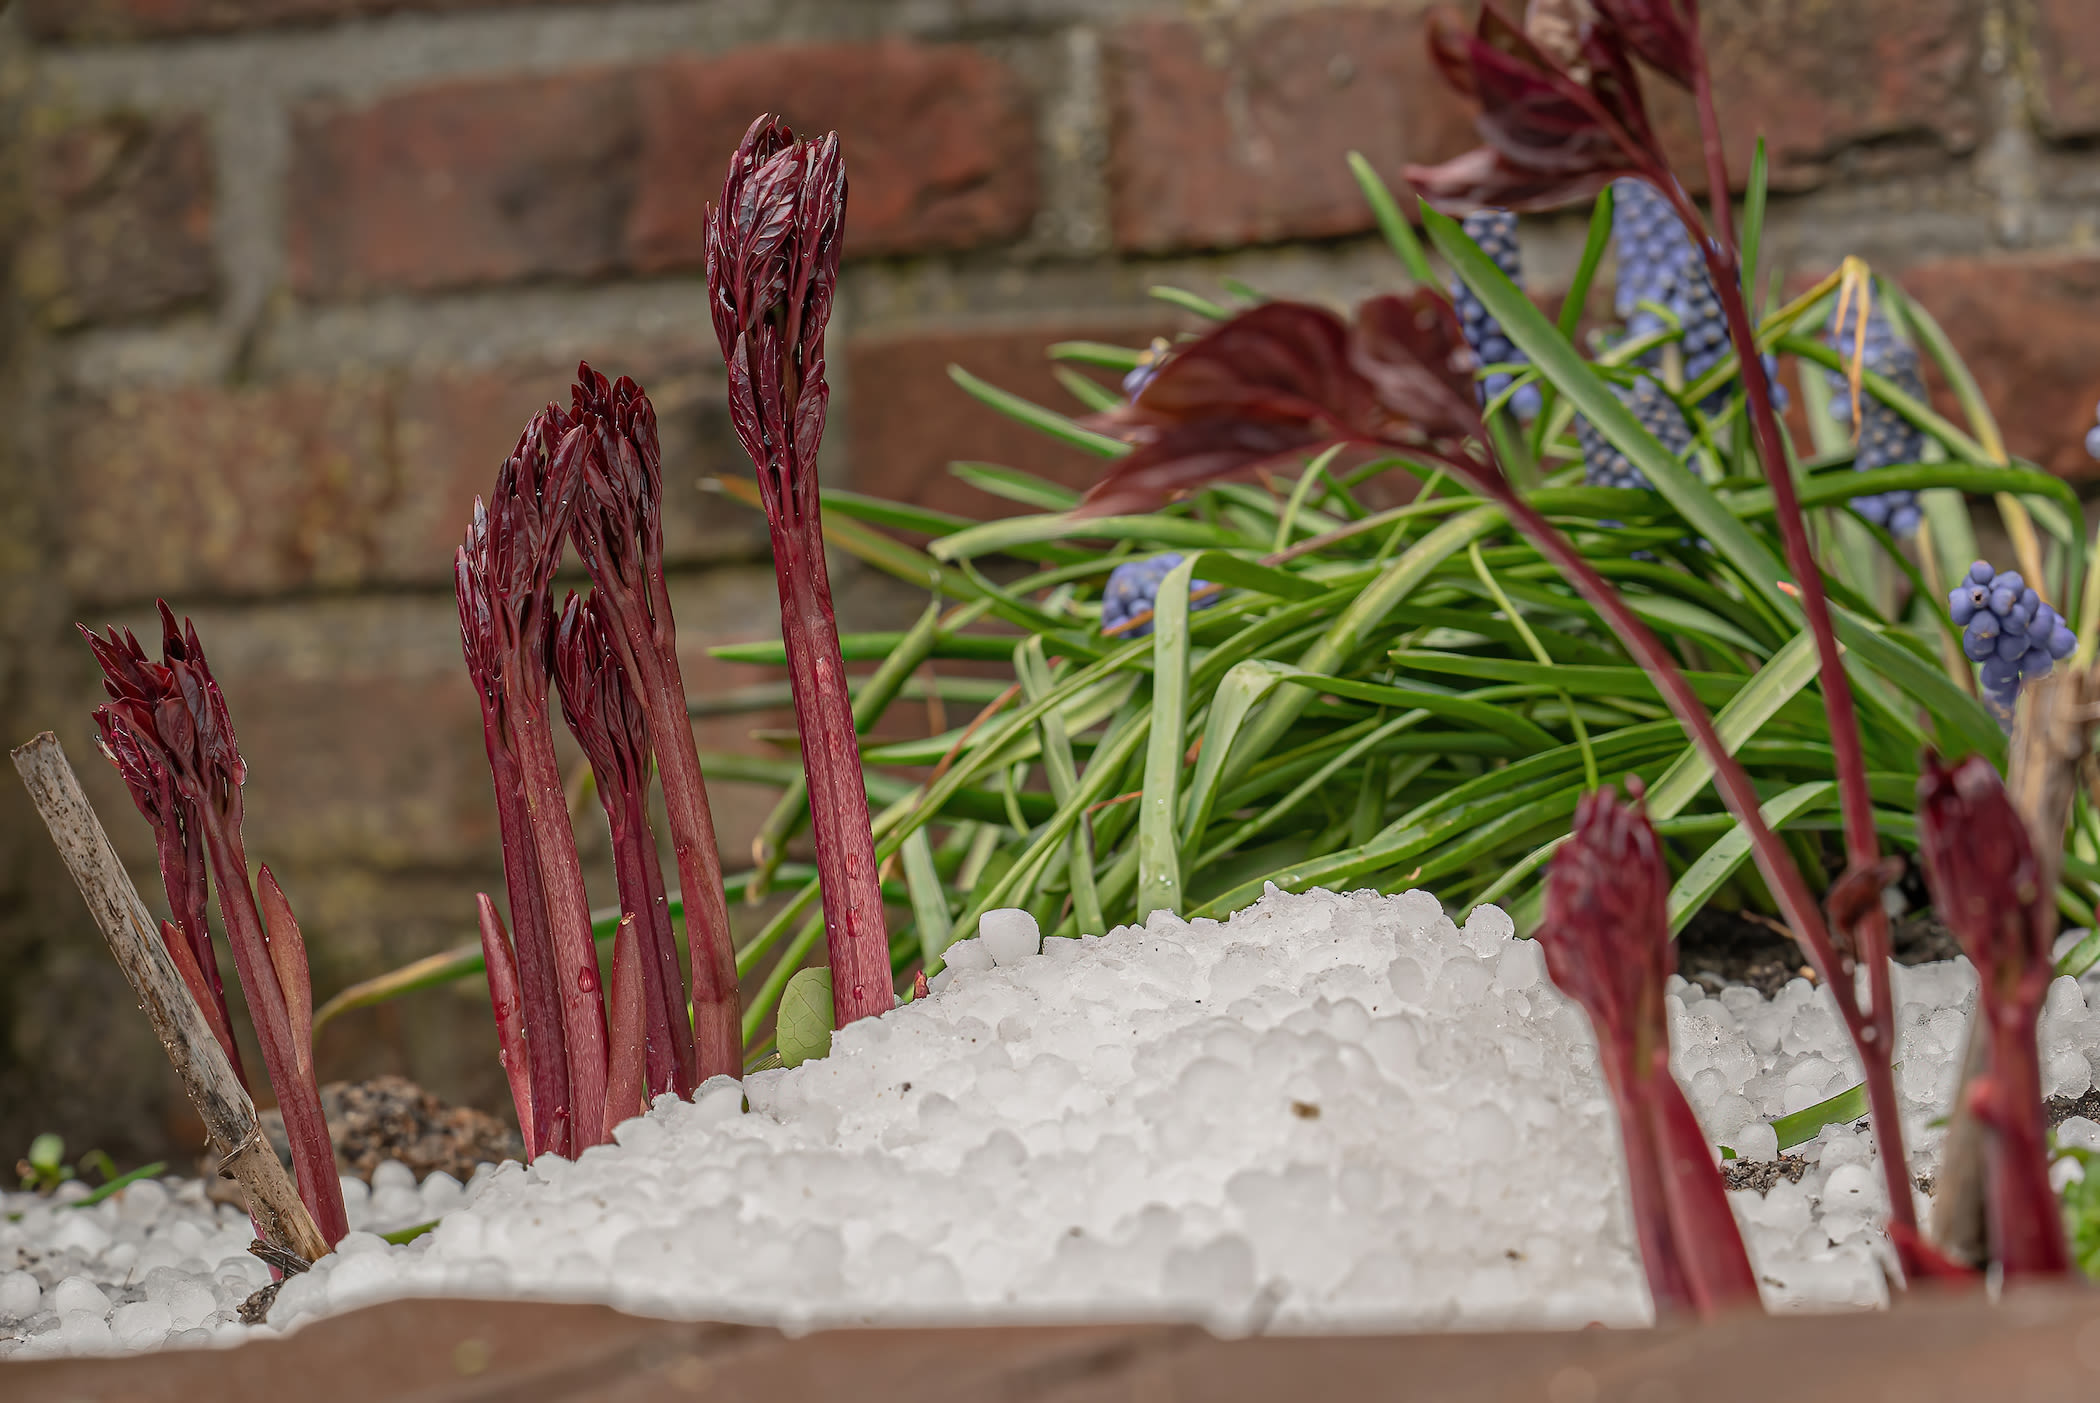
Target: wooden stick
column 2052, row 736
column 133, row 936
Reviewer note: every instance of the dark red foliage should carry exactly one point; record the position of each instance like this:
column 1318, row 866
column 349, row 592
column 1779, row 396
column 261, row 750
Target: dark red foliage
column 1664, row 34
column 1286, row 377
column 1560, row 106
column 1987, row 886
column 1606, row 939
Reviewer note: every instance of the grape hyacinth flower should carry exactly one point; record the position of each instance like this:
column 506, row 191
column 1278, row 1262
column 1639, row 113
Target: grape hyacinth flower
column 1651, row 246
column 1659, row 267
column 1495, row 230
column 2092, row 436
column 1133, row 586
column 172, row 721
column 503, row 576
column 1605, row 466
column 2009, row 630
column 1606, row 939
column 1884, row 437
column 772, row 270
column 608, row 721
column 618, row 530
column 1986, row 884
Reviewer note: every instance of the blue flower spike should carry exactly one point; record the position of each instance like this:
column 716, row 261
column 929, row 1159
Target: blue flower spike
column 1132, row 588
column 2009, row 631
column 1495, row 230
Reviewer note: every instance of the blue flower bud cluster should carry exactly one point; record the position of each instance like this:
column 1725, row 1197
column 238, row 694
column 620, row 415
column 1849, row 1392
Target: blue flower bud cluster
column 2006, row 627
column 1885, row 437
column 1132, row 588
column 1495, row 230
column 2092, row 436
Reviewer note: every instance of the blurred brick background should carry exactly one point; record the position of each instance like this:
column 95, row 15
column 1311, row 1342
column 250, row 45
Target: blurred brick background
column 287, row 277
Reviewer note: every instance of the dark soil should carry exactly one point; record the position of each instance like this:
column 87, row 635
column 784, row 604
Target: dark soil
column 1719, row 948
column 392, row 1118
column 2062, row 1108
column 1762, row 1174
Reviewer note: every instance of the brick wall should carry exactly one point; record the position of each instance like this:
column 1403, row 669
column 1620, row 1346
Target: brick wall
column 288, row 276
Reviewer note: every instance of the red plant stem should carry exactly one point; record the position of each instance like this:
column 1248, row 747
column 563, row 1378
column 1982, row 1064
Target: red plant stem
column 183, row 874
column 539, row 991
column 856, row 938
column 642, row 896
column 1771, row 855
column 568, row 917
column 1716, row 1266
column 717, row 1018
column 1874, row 1032
column 623, row 1083
column 2027, row 1231
column 507, row 1005
column 298, row 1096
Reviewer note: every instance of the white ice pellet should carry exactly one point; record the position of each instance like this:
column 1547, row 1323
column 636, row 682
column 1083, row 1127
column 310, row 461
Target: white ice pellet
column 1009, row 936
column 1331, row 1111
column 20, row 1295
column 141, row 1325
column 77, row 1295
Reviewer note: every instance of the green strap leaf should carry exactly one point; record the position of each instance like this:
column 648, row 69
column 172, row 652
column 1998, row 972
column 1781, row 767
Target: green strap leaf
column 1789, row 670
column 1049, row 421
column 1159, row 850
column 1720, row 862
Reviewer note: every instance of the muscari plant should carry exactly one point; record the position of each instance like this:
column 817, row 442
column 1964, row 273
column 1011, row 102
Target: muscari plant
column 1417, row 695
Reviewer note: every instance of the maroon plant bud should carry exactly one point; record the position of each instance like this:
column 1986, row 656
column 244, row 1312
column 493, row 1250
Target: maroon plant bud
column 504, row 575
column 1606, row 939
column 1987, row 886
column 619, row 533
column 507, row 1003
column 542, row 1049
column 171, row 716
column 607, row 719
column 1287, row 377
column 772, row 270
column 623, row 1082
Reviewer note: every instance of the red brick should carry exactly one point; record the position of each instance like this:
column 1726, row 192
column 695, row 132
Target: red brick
column 610, row 171
column 1226, row 133
column 144, row 19
column 2029, row 329
column 474, row 182
column 241, row 491
column 254, row 490
column 909, row 420
column 939, row 143
column 126, row 219
column 2066, row 49
column 1880, row 82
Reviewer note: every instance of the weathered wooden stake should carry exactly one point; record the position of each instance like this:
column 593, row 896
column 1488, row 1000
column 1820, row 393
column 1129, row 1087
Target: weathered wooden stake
column 134, row 939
